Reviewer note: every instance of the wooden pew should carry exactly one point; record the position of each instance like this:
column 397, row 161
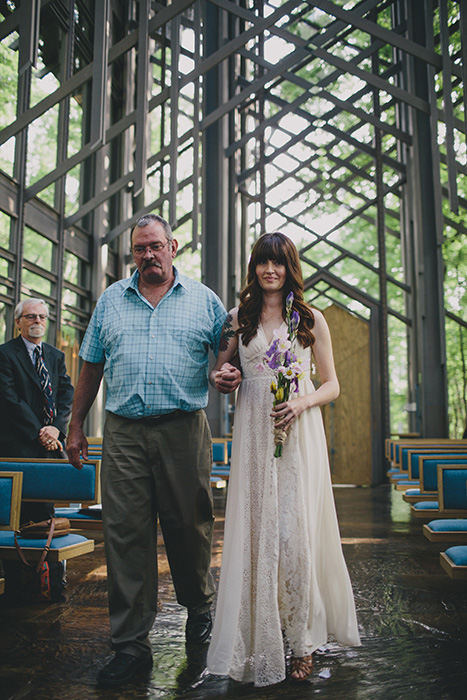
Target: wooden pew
column 220, row 471
column 444, row 506
column 412, row 443
column 454, row 559
column 56, row 480
column 454, row 562
column 405, row 463
column 446, row 530
column 426, row 466
column 11, row 487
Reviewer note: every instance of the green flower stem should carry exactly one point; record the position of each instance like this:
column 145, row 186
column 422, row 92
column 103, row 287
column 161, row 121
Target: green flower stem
column 278, row 450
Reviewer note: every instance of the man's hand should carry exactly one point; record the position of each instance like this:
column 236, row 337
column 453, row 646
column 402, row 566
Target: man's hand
column 48, row 438
column 76, row 445
column 227, row 379
column 85, row 393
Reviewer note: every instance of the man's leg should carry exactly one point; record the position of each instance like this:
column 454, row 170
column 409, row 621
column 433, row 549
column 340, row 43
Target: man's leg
column 130, row 535
column 184, row 498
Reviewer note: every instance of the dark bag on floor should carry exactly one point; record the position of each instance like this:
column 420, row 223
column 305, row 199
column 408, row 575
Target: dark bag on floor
column 34, row 583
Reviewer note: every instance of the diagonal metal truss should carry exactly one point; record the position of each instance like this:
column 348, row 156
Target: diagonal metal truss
column 341, row 123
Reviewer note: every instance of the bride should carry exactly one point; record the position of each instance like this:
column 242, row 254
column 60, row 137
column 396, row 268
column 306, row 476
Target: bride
column 284, row 582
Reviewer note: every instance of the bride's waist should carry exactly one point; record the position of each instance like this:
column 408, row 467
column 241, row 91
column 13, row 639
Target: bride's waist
column 265, row 378
column 305, row 384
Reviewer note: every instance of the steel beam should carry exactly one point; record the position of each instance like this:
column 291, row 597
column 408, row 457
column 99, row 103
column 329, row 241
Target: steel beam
column 429, row 259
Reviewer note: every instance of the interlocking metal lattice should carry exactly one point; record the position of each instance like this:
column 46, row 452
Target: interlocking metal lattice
column 341, row 123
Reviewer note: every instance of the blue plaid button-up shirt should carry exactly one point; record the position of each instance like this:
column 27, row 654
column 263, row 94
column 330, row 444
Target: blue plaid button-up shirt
column 156, row 359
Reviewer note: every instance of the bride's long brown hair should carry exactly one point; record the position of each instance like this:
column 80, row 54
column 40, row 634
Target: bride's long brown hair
column 277, row 247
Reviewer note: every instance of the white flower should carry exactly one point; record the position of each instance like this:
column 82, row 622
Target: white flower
column 283, row 345
column 282, row 333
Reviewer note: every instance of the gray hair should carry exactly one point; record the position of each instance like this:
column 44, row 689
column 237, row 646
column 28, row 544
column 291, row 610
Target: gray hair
column 19, row 307
column 146, row 219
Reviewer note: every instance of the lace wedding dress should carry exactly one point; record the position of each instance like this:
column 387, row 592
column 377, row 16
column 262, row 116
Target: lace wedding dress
column 283, row 573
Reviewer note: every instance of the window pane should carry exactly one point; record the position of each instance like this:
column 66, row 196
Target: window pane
column 37, row 249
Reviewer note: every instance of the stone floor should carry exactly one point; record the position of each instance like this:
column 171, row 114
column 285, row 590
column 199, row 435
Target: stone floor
column 413, row 622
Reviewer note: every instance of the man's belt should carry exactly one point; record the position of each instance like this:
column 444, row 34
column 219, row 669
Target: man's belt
column 161, row 418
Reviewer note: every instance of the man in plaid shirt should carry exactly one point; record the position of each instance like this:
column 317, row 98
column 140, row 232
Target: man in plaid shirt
column 149, row 336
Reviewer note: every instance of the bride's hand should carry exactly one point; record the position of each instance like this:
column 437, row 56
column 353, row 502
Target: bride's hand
column 285, row 413
column 227, row 378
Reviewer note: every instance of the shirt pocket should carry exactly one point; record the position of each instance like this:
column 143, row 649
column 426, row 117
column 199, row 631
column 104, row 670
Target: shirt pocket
column 195, row 343
column 113, row 335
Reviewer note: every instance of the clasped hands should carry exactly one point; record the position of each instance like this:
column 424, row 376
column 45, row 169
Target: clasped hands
column 227, row 379
column 48, row 438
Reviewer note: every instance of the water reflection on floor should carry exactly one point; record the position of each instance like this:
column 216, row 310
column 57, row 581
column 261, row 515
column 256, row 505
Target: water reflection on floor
column 412, row 617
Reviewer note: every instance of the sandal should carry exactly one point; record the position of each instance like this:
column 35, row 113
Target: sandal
column 301, row 667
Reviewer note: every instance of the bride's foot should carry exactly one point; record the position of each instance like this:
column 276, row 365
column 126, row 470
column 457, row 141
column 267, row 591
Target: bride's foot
column 301, row 667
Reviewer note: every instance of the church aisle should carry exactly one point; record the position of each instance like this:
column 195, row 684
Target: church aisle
column 412, row 617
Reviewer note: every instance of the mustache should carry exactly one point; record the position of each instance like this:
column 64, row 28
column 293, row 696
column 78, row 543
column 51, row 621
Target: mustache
column 151, row 263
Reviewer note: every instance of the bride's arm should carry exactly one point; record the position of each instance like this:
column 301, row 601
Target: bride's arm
column 329, row 388
column 225, row 377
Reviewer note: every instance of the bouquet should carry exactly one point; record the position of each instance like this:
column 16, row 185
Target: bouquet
column 287, row 367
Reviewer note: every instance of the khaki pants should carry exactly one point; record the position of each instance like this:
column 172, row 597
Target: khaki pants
column 155, row 469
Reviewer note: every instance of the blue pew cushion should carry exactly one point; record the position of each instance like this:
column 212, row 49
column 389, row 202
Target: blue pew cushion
column 7, row 539
column 79, row 513
column 54, row 480
column 454, row 488
column 413, row 492
column 458, row 555
column 430, row 472
column 448, row 525
column 426, row 505
column 6, row 490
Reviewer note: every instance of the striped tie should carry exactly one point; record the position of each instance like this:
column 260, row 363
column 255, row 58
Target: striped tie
column 44, row 378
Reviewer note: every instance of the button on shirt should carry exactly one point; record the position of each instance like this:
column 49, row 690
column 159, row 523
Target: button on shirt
column 156, row 359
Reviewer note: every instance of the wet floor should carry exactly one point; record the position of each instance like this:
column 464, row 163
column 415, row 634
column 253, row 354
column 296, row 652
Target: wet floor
column 412, row 617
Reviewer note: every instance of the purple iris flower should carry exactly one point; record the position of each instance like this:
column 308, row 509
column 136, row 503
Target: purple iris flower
column 272, row 349
column 289, row 300
column 275, row 362
column 294, row 320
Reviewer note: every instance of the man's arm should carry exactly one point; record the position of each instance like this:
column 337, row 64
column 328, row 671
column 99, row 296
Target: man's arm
column 63, row 397
column 86, row 391
column 226, row 375
column 51, row 436
column 19, row 412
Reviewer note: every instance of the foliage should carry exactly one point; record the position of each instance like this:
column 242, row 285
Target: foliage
column 340, row 193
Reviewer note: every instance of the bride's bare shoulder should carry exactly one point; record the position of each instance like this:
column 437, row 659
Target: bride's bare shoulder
column 232, row 318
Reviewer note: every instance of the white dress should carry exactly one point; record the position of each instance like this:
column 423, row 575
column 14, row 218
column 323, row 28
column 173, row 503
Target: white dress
column 283, row 573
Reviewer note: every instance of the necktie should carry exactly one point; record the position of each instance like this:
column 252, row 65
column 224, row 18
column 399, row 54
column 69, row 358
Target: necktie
column 44, row 378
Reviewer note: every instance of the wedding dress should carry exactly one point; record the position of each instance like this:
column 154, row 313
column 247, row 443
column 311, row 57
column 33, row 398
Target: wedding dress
column 283, row 574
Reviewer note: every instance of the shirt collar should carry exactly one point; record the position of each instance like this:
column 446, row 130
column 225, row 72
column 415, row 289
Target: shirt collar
column 132, row 282
column 30, row 347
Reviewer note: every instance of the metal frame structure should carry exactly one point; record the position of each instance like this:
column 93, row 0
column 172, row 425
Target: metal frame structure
column 340, row 123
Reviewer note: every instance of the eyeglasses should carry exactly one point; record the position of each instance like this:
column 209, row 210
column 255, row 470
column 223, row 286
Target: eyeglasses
column 154, row 248
column 32, row 317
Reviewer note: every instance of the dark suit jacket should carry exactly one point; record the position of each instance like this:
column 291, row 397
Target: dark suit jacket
column 22, row 402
